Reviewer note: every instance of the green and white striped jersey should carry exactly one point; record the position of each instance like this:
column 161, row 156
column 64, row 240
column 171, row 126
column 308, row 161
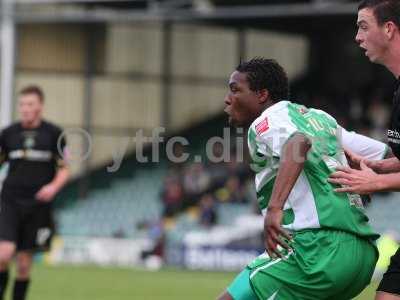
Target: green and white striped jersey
column 312, row 203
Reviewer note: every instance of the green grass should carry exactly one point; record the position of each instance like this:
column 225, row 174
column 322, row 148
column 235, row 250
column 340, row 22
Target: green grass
column 93, row 283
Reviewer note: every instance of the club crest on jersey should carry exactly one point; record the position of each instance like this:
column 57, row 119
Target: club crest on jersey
column 302, row 110
column 262, row 126
column 29, row 139
column 29, row 142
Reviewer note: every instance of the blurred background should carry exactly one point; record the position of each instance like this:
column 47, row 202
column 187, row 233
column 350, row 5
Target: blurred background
column 116, row 68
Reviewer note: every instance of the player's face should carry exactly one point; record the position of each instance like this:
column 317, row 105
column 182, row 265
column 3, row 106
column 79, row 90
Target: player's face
column 240, row 100
column 370, row 36
column 30, row 108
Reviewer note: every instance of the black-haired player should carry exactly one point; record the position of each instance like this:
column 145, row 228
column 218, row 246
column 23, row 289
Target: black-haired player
column 379, row 36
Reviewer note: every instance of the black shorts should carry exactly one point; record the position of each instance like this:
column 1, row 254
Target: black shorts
column 30, row 227
column 391, row 279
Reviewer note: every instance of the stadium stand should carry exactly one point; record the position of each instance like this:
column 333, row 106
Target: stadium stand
column 117, row 210
column 181, row 207
column 132, row 195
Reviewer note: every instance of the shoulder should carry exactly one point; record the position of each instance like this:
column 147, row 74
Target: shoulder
column 326, row 118
column 276, row 116
column 52, row 127
column 273, row 112
column 14, row 127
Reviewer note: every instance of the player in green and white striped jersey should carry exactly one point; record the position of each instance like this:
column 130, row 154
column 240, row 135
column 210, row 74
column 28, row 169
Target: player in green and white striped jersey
column 326, row 246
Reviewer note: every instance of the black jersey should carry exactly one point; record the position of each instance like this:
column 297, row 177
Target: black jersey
column 393, row 133
column 33, row 155
column 391, row 278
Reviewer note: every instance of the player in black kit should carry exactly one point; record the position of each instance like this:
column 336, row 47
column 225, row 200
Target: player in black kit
column 379, row 35
column 34, row 149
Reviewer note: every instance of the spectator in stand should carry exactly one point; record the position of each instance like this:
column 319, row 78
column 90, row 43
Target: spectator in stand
column 177, row 152
column 218, row 171
column 232, row 191
column 208, row 213
column 172, row 196
column 196, row 181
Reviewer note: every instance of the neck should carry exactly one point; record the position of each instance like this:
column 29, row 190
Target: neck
column 392, row 62
column 32, row 124
column 261, row 109
column 267, row 104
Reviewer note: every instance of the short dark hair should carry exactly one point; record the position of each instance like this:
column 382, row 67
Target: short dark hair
column 266, row 74
column 33, row 89
column 384, row 10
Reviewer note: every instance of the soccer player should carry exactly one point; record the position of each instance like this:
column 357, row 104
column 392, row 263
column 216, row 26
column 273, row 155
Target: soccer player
column 330, row 251
column 34, row 149
column 379, row 35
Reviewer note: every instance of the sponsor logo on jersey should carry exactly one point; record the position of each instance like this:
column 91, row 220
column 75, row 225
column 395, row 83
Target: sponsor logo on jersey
column 393, row 134
column 262, row 126
column 33, row 155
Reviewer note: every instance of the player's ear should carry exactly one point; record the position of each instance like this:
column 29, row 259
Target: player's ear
column 390, row 29
column 263, row 96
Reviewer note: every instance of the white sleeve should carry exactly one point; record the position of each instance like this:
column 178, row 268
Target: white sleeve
column 362, row 145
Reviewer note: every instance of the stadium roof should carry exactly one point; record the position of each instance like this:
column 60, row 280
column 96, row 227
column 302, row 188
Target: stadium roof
column 174, row 10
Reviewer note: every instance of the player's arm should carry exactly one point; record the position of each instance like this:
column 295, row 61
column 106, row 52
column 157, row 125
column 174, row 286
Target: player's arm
column 365, row 180
column 370, row 175
column 389, row 182
column 376, row 155
column 364, row 153
column 292, row 162
column 389, row 165
column 61, row 178
column 50, row 190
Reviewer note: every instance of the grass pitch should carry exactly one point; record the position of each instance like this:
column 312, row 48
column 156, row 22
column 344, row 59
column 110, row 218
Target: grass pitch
column 94, row 283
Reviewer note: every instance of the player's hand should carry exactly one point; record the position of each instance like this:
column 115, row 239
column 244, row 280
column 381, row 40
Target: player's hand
column 274, row 233
column 363, row 181
column 354, row 159
column 46, row 193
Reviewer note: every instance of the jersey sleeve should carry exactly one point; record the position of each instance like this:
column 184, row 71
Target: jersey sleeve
column 272, row 133
column 363, row 145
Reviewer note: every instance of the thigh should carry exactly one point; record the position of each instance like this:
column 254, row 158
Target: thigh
column 323, row 265
column 391, row 279
column 278, row 278
column 364, row 256
column 36, row 230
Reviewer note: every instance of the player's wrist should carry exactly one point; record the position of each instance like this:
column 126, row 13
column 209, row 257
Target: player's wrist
column 374, row 165
column 55, row 186
column 274, row 208
column 381, row 183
